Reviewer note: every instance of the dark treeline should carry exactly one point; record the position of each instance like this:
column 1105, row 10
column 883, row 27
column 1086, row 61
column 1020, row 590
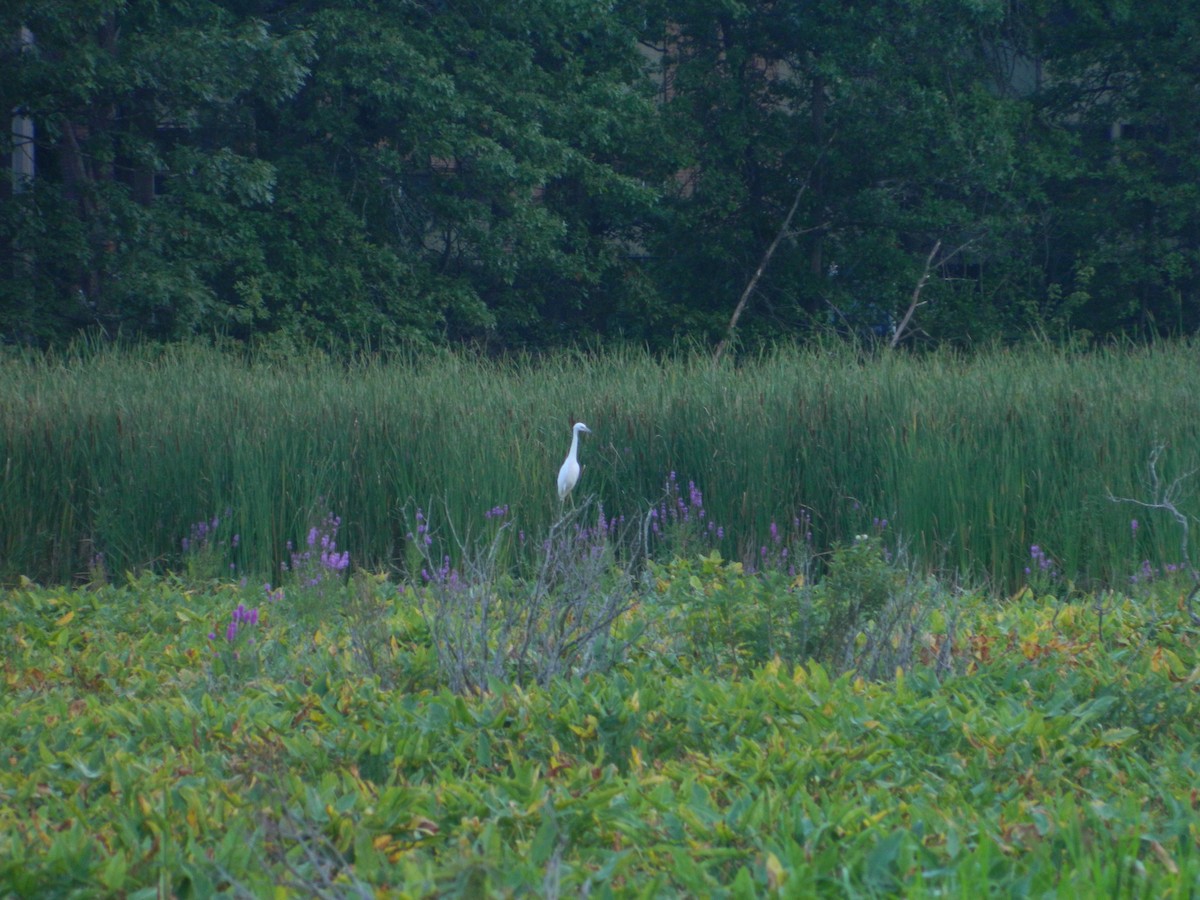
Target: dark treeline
column 557, row 171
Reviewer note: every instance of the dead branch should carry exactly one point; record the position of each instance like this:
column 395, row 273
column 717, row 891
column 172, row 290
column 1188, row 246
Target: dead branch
column 916, row 295
column 932, row 261
column 762, row 267
column 1165, row 497
column 784, row 230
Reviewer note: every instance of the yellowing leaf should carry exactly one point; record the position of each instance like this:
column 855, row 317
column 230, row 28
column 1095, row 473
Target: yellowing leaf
column 63, row 620
column 776, row 873
column 588, row 732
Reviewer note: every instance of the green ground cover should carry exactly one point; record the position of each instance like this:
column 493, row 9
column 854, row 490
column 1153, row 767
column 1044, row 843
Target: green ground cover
column 170, row 737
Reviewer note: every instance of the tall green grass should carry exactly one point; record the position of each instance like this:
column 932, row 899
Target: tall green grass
column 970, row 460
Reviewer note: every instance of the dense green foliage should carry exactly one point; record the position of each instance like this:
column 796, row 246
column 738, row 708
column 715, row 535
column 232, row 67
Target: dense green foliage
column 575, row 171
column 1032, row 748
column 970, row 460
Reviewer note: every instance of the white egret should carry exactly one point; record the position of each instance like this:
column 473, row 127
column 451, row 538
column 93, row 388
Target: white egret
column 568, row 475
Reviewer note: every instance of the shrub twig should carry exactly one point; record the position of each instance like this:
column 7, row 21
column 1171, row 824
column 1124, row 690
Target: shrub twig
column 488, row 622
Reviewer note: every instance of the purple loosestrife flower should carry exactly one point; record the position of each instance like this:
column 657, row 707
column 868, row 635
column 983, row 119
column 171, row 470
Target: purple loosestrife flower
column 423, row 529
column 1043, row 561
column 335, row 561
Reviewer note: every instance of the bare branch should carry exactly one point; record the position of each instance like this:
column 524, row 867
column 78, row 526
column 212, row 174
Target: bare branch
column 762, row 267
column 1166, row 498
column 784, row 230
column 916, row 301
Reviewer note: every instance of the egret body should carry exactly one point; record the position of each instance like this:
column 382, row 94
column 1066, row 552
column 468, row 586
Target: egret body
column 568, row 475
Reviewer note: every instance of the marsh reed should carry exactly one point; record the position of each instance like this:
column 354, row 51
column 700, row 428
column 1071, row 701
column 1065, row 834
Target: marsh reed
column 112, row 455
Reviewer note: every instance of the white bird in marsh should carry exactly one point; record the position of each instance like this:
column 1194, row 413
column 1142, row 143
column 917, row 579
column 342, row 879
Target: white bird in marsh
column 568, row 475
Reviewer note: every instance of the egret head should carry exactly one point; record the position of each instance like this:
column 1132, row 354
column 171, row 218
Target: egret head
column 579, row 426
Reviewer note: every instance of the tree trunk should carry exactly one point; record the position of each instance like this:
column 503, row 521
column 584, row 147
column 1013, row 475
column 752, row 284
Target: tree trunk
column 23, row 160
column 816, row 256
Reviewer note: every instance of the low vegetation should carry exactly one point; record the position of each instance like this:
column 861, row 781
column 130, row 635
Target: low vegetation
column 721, row 730
column 806, row 627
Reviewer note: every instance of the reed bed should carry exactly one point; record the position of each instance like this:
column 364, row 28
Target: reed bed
column 109, row 457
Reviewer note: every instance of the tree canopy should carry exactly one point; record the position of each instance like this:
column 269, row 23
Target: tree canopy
column 564, row 171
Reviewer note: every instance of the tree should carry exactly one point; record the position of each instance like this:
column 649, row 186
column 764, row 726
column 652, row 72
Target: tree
column 145, row 114
column 1118, row 119
column 360, row 172
column 488, row 153
column 891, row 114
